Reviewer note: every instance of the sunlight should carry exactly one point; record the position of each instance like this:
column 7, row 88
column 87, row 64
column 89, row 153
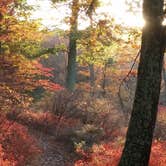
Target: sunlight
column 73, row 73
column 50, row 16
column 119, row 11
column 54, row 17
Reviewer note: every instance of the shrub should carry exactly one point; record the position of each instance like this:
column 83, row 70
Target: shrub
column 104, row 154
column 87, row 135
column 89, row 110
column 109, row 154
column 158, row 154
column 16, row 145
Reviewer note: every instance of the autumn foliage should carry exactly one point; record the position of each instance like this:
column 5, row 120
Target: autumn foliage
column 16, row 145
column 109, row 155
column 19, row 75
column 45, row 121
column 101, row 155
column 16, row 80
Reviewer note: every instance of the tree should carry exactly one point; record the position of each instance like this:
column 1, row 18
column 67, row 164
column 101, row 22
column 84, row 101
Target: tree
column 72, row 48
column 142, row 122
column 16, row 78
column 98, row 46
column 72, row 52
column 88, row 7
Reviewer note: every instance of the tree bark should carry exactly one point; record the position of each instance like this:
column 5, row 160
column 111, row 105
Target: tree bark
column 104, row 79
column 71, row 67
column 142, row 122
column 164, row 78
column 92, row 78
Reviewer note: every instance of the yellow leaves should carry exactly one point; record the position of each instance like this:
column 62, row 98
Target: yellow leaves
column 136, row 46
column 16, row 77
column 25, row 31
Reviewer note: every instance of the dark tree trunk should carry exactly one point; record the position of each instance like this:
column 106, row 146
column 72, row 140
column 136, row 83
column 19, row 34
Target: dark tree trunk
column 164, row 78
column 142, row 122
column 71, row 67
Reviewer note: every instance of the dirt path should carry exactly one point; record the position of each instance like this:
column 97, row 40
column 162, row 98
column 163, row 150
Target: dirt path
column 54, row 153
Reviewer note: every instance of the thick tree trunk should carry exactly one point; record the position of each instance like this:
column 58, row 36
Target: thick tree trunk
column 71, row 67
column 142, row 122
column 164, row 78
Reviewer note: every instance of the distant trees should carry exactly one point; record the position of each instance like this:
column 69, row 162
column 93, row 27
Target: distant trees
column 142, row 122
column 98, row 48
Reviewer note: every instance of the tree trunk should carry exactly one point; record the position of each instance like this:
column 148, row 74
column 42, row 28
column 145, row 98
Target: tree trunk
column 142, row 122
column 164, row 78
column 1, row 18
column 104, row 79
column 71, row 67
column 92, row 78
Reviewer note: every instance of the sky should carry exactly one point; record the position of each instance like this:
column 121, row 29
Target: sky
column 53, row 17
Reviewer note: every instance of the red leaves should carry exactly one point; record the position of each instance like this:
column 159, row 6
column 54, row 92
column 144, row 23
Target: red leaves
column 104, row 154
column 109, row 155
column 16, row 145
column 48, row 85
column 42, row 71
column 4, row 5
column 19, row 75
column 158, row 154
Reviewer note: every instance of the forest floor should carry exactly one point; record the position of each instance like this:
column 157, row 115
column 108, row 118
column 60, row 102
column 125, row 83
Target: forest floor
column 54, row 153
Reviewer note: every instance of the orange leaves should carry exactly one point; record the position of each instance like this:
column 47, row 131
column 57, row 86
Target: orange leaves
column 15, row 80
column 17, row 32
column 16, row 145
column 102, row 155
column 4, row 6
column 48, row 85
column 19, row 75
column 42, row 70
column 3, row 161
column 109, row 155
column 158, row 154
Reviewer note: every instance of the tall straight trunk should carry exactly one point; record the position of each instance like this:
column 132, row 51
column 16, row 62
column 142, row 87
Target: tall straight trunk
column 1, row 18
column 92, row 78
column 164, row 78
column 0, row 48
column 104, row 79
column 90, row 50
column 71, row 67
column 142, row 122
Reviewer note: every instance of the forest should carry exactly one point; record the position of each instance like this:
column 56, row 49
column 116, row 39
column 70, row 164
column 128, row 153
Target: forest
column 82, row 83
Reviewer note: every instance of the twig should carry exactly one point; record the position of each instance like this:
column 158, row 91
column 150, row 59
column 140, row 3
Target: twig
column 124, row 79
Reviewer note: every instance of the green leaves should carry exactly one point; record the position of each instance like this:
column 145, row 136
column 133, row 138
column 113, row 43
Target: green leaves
column 97, row 44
